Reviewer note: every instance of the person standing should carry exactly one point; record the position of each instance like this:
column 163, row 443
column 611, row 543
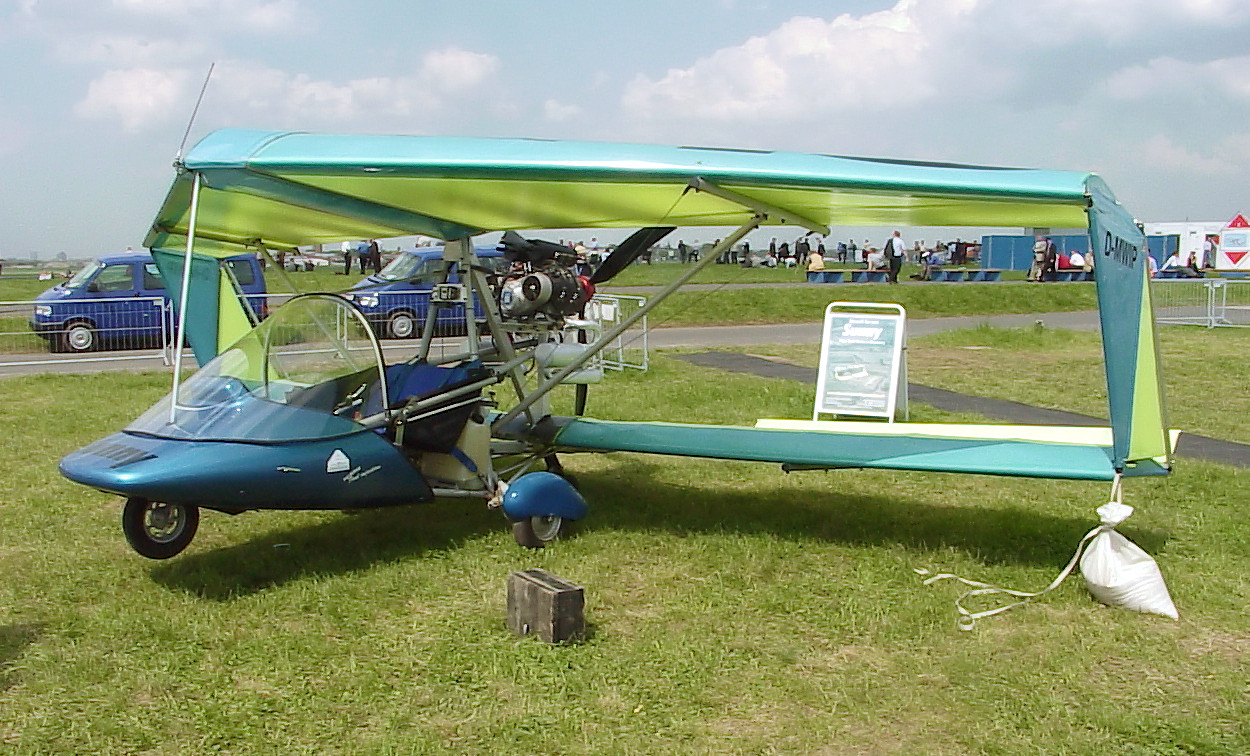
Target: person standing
column 375, row 256
column 894, row 251
column 1039, row 259
column 347, row 259
column 1051, row 260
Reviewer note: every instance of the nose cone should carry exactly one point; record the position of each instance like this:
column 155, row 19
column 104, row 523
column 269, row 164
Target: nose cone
column 108, row 463
column 338, row 473
column 156, row 469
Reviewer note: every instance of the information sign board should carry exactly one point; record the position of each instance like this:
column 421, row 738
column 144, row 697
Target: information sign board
column 862, row 369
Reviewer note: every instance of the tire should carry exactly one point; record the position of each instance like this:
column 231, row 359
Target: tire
column 537, row 532
column 78, row 336
column 159, row 531
column 401, row 324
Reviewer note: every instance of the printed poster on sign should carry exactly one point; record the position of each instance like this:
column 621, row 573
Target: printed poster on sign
column 860, row 360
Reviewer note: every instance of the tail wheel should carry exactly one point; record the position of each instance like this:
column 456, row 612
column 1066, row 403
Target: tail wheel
column 156, row 530
column 537, row 532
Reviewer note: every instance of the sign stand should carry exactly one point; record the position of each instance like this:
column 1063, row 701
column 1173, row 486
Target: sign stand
column 863, row 365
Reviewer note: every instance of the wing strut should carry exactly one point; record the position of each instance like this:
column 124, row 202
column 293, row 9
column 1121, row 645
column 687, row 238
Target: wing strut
column 769, row 211
column 182, row 301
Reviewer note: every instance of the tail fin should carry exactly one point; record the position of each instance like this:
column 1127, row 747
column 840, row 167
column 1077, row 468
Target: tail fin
column 216, row 316
column 1129, row 343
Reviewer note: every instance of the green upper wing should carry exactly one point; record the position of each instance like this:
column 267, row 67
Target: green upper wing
column 291, row 189
column 286, row 189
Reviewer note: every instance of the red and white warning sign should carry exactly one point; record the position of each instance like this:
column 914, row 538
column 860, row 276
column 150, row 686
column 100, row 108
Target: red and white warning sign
column 1233, row 252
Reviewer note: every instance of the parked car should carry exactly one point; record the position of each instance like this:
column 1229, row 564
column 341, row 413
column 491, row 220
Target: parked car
column 395, row 301
column 120, row 301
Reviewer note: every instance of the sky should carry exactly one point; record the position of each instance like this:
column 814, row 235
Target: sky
column 96, row 95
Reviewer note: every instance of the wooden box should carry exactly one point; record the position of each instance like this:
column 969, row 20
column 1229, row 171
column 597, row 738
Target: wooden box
column 542, row 604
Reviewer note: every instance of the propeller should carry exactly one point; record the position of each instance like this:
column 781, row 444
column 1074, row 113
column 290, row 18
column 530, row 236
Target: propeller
column 627, row 251
column 517, row 248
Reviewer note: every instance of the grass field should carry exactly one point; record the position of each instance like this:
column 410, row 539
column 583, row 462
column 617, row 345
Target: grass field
column 734, row 609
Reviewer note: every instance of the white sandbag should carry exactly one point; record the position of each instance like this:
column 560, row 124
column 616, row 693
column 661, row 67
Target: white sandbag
column 1118, row 573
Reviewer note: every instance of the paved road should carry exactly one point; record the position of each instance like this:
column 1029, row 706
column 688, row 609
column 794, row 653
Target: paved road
column 658, row 338
column 809, row 333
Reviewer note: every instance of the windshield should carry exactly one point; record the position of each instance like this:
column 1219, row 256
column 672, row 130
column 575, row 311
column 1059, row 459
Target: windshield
column 409, row 265
column 312, row 370
column 80, row 279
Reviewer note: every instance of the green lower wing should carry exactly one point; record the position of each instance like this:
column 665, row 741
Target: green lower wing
column 893, row 447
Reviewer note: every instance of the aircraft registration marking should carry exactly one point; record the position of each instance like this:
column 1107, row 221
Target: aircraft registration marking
column 357, row 473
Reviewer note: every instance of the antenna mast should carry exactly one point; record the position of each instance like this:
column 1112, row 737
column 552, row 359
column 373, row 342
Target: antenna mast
column 195, row 111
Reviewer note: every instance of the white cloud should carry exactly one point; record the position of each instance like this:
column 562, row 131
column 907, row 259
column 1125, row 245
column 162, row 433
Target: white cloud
column 1162, row 153
column 809, row 66
column 272, row 16
column 922, row 53
column 240, row 91
column 1226, row 77
column 137, row 97
column 453, row 70
column 127, row 50
column 443, row 77
column 559, row 112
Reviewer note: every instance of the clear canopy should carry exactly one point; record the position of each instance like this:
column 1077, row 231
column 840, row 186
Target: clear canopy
column 312, row 370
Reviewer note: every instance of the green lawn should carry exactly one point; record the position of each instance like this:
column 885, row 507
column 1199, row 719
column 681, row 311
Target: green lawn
column 734, row 609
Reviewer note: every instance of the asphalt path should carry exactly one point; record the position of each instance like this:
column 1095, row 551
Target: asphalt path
column 657, row 338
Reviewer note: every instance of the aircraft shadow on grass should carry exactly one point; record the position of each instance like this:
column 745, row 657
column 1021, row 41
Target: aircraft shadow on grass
column 1011, row 535
column 14, row 639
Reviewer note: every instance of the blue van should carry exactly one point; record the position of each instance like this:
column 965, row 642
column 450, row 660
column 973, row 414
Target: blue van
column 120, row 301
column 396, row 300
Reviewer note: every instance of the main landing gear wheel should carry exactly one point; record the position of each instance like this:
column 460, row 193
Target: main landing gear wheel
column 156, row 530
column 537, row 532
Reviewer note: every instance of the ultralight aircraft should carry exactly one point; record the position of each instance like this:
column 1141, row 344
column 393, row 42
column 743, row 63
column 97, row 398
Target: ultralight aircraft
column 303, row 411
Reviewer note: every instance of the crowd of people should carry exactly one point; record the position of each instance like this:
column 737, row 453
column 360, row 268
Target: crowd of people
column 367, row 254
column 810, row 252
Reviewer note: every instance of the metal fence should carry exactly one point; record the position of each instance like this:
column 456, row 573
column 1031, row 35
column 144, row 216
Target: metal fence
column 1208, row 302
column 629, row 350
column 143, row 329
column 31, row 330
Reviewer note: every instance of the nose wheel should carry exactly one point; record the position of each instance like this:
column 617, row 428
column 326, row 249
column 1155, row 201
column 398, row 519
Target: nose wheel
column 157, row 530
column 537, row 532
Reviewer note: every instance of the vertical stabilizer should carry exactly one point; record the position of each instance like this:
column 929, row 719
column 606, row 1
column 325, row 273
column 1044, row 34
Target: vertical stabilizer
column 215, row 314
column 1130, row 347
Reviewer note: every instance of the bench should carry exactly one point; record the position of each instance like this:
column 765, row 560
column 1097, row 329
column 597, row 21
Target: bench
column 824, row 276
column 965, row 274
column 1072, row 274
column 868, row 276
column 1233, row 274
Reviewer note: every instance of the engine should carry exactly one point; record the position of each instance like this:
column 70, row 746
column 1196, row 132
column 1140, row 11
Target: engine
column 542, row 281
